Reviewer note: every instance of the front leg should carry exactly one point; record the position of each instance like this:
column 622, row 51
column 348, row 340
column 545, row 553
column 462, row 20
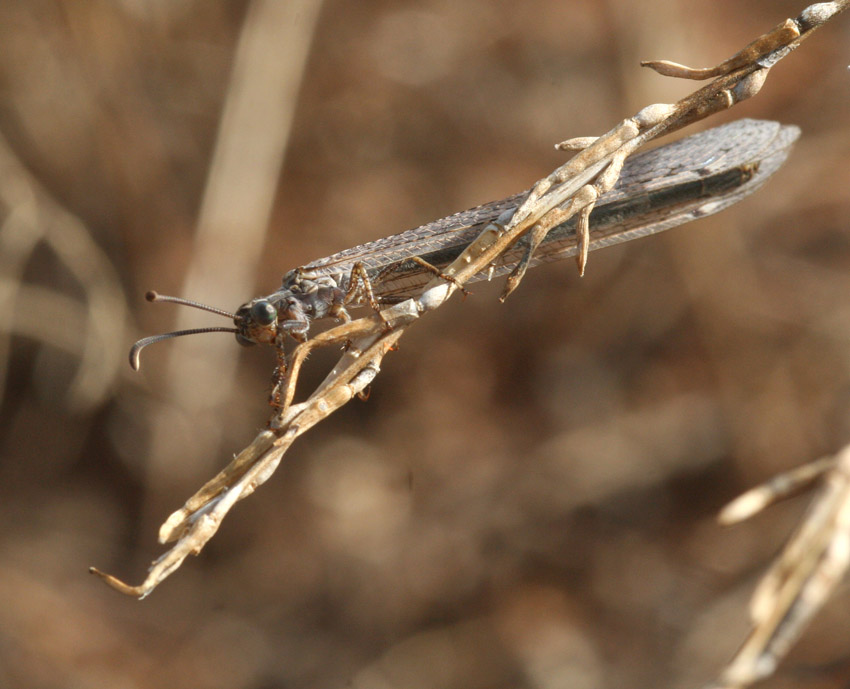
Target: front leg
column 297, row 329
column 278, row 377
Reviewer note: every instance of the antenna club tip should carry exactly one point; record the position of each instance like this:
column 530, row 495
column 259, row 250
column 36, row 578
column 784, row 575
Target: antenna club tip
column 151, row 295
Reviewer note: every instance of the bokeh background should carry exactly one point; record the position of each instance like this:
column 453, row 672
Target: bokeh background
column 528, row 499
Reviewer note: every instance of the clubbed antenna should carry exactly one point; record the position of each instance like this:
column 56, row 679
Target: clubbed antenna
column 156, row 296
column 136, row 349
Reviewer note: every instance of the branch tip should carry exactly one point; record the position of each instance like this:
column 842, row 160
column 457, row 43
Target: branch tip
column 118, row 585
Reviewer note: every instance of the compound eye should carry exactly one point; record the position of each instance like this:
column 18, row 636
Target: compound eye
column 244, row 341
column 263, row 313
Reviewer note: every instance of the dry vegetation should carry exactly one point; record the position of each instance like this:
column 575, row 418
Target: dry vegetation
column 528, row 498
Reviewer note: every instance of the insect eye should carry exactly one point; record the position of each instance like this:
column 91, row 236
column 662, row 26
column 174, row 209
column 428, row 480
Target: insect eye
column 263, row 313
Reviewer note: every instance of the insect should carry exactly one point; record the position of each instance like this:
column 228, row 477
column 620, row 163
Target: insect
column 658, row 189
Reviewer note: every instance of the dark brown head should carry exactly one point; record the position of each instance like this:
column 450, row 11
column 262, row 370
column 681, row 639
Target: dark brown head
column 256, row 322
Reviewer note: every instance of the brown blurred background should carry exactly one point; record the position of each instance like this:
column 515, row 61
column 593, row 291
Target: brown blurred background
column 528, row 498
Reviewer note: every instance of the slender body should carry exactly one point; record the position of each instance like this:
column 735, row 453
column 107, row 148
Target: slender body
column 657, row 190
